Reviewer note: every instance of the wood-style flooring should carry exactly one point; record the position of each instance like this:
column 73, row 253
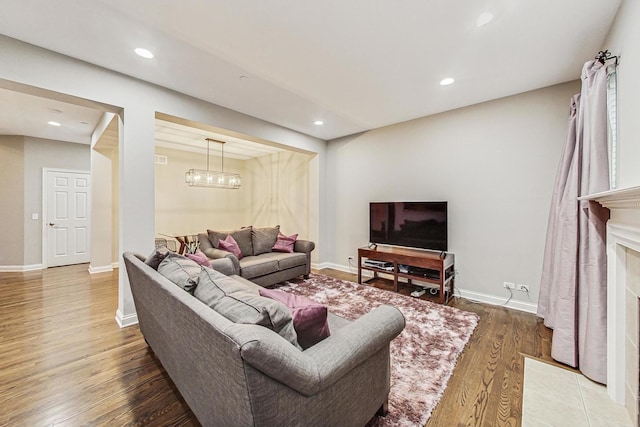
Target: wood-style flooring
column 65, row 361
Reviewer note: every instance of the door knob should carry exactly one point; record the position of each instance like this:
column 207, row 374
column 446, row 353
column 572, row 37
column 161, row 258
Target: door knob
column 51, row 224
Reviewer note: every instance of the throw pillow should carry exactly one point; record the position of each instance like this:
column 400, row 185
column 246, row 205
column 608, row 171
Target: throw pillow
column 264, row 238
column 156, row 257
column 309, row 317
column 200, row 258
column 241, row 236
column 229, row 244
column 180, row 270
column 233, row 300
column 285, row 243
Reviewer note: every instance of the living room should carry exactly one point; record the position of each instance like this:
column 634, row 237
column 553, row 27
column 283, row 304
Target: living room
column 493, row 161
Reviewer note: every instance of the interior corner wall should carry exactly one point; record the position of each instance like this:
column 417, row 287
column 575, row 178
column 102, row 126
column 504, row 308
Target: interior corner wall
column 12, row 217
column 495, row 163
column 101, row 211
column 39, row 154
column 279, row 192
column 183, row 210
column 623, row 41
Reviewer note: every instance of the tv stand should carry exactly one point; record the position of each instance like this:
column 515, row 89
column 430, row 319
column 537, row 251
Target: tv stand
column 432, row 268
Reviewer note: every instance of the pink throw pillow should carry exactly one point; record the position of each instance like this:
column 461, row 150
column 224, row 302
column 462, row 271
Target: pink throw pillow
column 285, row 243
column 229, row 244
column 309, row 317
column 200, row 258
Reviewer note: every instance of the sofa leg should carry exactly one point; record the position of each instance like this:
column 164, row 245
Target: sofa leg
column 306, row 276
column 384, row 409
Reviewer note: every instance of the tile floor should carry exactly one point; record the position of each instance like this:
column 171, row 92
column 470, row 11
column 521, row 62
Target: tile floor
column 554, row 396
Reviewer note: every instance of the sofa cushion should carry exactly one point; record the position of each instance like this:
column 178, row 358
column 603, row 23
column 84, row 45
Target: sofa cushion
column 241, row 236
column 285, row 243
column 264, row 238
column 309, row 317
column 233, row 300
column 285, row 260
column 156, row 257
column 229, row 244
column 200, row 258
column 255, row 266
column 180, row 270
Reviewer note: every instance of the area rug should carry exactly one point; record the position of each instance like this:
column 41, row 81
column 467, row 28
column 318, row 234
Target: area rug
column 422, row 356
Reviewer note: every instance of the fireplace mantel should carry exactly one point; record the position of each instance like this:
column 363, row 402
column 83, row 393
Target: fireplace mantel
column 623, row 234
column 625, row 198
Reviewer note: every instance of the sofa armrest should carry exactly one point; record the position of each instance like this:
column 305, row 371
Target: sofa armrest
column 305, row 246
column 213, row 253
column 224, row 266
column 319, row 366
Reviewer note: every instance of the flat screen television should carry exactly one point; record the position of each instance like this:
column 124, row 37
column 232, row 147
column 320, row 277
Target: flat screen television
column 412, row 224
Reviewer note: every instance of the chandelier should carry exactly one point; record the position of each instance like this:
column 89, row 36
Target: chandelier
column 215, row 179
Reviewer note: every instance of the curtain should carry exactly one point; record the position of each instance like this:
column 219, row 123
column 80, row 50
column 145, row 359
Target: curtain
column 572, row 297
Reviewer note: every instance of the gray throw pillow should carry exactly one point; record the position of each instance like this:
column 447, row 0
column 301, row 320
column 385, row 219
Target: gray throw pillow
column 156, row 257
column 233, row 300
column 180, row 270
column 241, row 236
column 264, row 238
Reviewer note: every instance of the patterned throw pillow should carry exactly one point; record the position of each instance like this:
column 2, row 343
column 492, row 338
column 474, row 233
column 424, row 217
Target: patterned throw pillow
column 229, row 244
column 285, row 243
column 309, row 317
column 200, row 258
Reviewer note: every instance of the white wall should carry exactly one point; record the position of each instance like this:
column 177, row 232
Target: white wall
column 623, row 40
column 495, row 163
column 278, row 193
column 184, row 210
column 12, row 216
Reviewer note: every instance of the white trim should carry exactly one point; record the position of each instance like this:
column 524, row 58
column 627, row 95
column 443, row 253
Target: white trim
column 44, row 241
column 495, row 300
column 619, row 237
column 115, row 265
column 20, row 268
column 625, row 198
column 101, row 269
column 124, row 321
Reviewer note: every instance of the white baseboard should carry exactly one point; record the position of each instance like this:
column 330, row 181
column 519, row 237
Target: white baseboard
column 124, row 321
column 20, row 268
column 470, row 295
column 495, row 300
column 115, row 265
column 101, row 269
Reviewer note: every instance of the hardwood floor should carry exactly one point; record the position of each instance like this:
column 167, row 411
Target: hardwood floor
column 64, row 361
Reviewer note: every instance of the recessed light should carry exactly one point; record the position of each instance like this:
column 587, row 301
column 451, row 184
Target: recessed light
column 145, row 53
column 52, row 123
column 447, row 81
column 318, row 123
column 484, row 18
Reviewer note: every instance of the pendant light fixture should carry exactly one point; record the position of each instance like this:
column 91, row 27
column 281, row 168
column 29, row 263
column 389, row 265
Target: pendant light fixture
column 214, row 179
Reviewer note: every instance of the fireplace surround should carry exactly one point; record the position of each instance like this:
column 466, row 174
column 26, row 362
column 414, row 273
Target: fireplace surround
column 623, row 293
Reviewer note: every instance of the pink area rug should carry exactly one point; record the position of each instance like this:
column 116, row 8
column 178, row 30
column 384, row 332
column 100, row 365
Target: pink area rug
column 422, row 356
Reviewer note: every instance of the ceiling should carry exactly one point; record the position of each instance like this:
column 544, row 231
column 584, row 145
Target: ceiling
column 356, row 65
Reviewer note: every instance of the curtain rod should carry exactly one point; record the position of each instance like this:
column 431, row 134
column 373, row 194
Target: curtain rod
column 605, row 55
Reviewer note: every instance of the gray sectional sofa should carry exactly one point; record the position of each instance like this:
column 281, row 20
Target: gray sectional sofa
column 233, row 373
column 259, row 263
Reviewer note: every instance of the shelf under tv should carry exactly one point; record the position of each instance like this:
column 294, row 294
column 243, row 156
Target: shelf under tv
column 434, row 269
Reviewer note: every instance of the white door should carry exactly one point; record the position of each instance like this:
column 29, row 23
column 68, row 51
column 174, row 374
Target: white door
column 67, row 217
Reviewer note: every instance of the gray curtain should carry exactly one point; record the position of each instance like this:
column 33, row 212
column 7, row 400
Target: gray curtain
column 572, row 297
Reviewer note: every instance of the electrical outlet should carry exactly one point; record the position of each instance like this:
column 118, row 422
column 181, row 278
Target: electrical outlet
column 509, row 285
column 523, row 288
column 350, row 258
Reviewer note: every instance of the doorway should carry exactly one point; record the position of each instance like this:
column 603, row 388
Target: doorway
column 66, row 213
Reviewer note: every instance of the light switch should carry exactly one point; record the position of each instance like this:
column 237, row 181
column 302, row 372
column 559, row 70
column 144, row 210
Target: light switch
column 34, row 216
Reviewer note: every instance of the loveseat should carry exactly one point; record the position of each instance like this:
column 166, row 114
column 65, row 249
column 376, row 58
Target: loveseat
column 258, row 261
column 240, row 374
